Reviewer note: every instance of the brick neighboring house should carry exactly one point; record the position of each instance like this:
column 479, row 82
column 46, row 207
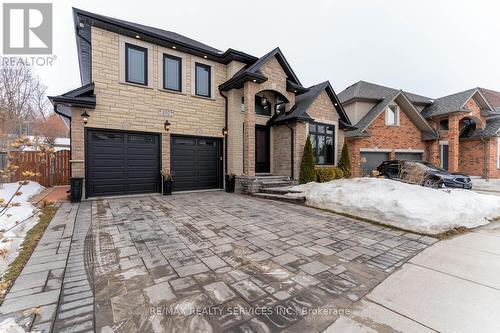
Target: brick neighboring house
column 153, row 99
column 459, row 132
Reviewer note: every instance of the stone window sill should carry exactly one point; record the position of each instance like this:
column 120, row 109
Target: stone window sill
column 136, row 85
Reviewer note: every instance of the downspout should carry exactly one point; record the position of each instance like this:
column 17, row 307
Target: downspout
column 292, row 151
column 225, row 126
column 486, row 159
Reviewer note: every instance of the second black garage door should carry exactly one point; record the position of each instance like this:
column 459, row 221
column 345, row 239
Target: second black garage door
column 122, row 162
column 196, row 163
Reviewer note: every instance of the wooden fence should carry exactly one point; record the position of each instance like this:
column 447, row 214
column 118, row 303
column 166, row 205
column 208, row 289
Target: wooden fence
column 54, row 170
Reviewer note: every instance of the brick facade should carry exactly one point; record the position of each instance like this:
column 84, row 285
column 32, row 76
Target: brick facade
column 406, row 137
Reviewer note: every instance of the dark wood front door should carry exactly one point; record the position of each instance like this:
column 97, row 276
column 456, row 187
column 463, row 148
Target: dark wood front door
column 262, row 149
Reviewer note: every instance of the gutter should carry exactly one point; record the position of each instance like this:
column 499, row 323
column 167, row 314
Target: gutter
column 225, row 126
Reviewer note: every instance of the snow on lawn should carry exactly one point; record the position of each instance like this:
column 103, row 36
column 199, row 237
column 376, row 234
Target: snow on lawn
column 12, row 239
column 9, row 325
column 402, row 205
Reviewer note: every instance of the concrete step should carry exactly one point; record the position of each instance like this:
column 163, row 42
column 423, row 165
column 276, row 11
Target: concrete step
column 266, row 179
column 278, row 184
column 279, row 197
column 278, row 190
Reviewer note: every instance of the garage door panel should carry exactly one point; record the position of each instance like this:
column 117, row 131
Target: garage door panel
column 409, row 156
column 122, row 163
column 371, row 160
column 195, row 163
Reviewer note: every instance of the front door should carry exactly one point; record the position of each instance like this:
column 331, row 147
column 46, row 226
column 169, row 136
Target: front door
column 444, row 157
column 262, row 157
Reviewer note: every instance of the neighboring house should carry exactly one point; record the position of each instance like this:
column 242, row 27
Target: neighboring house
column 458, row 132
column 152, row 99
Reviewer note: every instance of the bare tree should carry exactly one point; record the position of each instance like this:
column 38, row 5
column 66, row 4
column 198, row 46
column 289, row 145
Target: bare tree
column 22, row 98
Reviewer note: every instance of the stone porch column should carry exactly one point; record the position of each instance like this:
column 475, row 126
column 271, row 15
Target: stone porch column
column 453, row 143
column 249, row 91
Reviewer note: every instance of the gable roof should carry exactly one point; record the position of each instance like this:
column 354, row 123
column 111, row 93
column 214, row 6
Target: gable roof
column 493, row 97
column 83, row 20
column 453, row 103
column 252, row 72
column 298, row 112
column 400, row 97
column 79, row 97
column 371, row 91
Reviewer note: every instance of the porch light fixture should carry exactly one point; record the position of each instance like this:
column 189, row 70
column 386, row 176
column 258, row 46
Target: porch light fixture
column 263, row 100
column 174, row 47
column 205, row 57
column 166, row 125
column 254, row 81
column 224, row 131
column 85, row 117
column 137, row 36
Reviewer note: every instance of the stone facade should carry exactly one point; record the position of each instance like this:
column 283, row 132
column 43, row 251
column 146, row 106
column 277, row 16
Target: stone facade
column 130, row 107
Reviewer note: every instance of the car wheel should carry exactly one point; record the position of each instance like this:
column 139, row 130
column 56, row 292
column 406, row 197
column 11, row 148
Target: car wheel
column 433, row 183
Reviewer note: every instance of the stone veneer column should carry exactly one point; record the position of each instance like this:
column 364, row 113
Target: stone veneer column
column 249, row 91
column 453, row 143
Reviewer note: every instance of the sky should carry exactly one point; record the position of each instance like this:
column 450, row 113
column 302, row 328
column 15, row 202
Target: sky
column 432, row 48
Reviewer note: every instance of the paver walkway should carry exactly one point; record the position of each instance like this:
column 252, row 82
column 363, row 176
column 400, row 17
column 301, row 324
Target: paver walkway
column 208, row 262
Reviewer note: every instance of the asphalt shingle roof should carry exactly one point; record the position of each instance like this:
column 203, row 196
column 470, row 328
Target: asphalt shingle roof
column 367, row 90
column 491, row 129
column 448, row 104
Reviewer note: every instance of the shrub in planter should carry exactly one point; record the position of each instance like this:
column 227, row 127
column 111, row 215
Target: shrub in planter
column 326, row 174
column 345, row 162
column 339, row 173
column 308, row 164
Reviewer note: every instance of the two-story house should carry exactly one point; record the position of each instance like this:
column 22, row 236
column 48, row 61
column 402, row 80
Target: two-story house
column 459, row 132
column 154, row 100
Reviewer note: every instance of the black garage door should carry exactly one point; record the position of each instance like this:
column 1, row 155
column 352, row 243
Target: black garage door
column 409, row 156
column 371, row 160
column 196, row 163
column 122, row 163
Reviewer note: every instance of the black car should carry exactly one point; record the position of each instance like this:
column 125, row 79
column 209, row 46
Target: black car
column 423, row 173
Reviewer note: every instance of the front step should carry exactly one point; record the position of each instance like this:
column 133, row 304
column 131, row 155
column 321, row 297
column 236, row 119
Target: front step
column 280, row 197
column 277, row 190
column 278, row 184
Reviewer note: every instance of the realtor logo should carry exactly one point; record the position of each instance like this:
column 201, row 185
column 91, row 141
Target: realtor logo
column 27, row 28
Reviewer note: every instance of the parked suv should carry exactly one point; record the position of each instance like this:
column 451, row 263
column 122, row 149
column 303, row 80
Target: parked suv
column 423, row 173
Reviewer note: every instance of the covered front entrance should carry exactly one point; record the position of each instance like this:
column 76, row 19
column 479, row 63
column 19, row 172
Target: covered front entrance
column 262, row 151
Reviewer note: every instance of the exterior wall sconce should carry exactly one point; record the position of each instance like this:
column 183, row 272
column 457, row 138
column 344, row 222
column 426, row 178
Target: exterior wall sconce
column 85, row 117
column 166, row 125
column 224, row 131
column 263, row 100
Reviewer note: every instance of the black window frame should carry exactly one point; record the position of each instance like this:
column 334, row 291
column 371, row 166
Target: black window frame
column 260, row 109
column 313, row 131
column 171, row 57
column 196, row 65
column 145, row 51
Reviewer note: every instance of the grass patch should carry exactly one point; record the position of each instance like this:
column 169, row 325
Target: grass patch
column 29, row 244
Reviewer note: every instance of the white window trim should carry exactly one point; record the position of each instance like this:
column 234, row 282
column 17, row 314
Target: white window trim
column 127, row 40
column 387, row 110
column 206, row 62
column 184, row 58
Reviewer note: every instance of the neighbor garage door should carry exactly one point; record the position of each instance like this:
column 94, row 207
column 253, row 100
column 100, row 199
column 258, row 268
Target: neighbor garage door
column 409, row 156
column 196, row 163
column 122, row 163
column 371, row 160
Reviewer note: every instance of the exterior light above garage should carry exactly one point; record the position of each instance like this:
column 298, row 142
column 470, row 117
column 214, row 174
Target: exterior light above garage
column 85, row 117
column 224, row 131
column 166, row 125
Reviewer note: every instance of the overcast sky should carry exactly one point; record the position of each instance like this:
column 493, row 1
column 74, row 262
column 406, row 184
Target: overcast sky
column 432, row 48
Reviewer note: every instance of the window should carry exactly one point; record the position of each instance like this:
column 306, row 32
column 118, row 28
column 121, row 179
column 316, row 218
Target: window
column 262, row 109
column 444, row 125
column 172, row 73
column 136, row 64
column 392, row 115
column 202, row 80
column 323, row 141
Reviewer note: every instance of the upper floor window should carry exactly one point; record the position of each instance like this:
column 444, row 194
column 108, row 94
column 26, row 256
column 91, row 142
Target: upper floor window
column 136, row 64
column 172, row 73
column 323, row 141
column 262, row 106
column 444, row 125
column 202, row 80
column 392, row 115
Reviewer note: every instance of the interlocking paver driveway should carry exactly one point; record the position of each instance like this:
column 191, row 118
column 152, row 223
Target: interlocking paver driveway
column 214, row 262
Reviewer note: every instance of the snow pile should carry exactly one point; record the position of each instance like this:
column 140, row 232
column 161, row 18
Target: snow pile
column 406, row 206
column 13, row 238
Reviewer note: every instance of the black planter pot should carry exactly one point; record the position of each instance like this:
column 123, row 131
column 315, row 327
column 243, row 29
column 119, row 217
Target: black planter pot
column 76, row 185
column 167, row 187
column 230, row 183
